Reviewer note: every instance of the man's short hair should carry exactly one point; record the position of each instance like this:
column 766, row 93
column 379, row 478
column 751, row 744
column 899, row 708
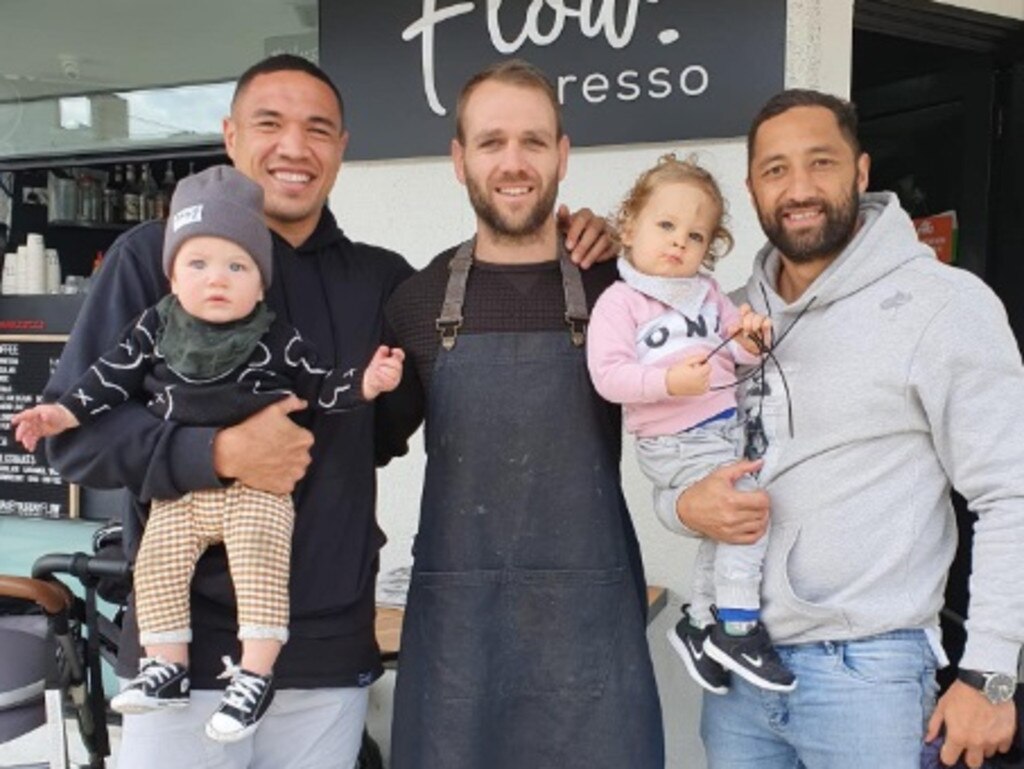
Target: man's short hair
column 510, row 72
column 845, row 113
column 287, row 62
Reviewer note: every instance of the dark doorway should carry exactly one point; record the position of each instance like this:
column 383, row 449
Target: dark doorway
column 940, row 93
column 929, row 137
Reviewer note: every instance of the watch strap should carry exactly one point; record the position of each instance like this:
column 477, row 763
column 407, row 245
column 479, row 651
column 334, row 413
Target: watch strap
column 972, row 678
column 997, row 687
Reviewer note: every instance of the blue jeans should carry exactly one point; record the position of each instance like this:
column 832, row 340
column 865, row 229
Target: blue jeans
column 858, row 705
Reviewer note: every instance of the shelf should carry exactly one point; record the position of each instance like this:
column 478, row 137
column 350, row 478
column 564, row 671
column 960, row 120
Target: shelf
column 39, row 313
column 115, row 226
column 195, row 151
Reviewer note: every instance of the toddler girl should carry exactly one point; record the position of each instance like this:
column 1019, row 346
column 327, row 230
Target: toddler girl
column 664, row 342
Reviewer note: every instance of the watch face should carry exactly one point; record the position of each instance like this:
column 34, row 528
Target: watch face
column 999, row 687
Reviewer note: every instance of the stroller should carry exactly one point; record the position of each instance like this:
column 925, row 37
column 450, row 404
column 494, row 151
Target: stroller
column 49, row 665
column 53, row 644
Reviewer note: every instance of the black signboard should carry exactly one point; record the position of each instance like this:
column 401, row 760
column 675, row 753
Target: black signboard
column 627, row 71
column 28, row 488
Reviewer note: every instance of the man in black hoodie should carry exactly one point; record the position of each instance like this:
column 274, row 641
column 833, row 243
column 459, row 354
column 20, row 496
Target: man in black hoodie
column 286, row 132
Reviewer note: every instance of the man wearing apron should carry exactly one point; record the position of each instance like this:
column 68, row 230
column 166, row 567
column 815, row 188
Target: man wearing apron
column 524, row 641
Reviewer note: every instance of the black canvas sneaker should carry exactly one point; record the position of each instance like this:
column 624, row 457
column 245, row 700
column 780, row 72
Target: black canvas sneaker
column 751, row 657
column 159, row 684
column 688, row 641
column 244, row 702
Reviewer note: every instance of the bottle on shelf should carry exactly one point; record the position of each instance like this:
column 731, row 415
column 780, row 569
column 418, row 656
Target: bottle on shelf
column 88, row 198
column 163, row 195
column 147, row 204
column 132, row 211
column 113, row 196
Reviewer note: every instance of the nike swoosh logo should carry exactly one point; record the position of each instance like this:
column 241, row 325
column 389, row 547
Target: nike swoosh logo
column 753, row 661
column 697, row 655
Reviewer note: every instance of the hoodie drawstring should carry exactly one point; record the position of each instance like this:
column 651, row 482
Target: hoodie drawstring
column 767, row 353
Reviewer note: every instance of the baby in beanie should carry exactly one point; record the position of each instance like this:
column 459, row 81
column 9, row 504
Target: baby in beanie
column 211, row 353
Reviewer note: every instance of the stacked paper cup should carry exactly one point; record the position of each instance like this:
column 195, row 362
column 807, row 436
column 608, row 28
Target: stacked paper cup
column 35, row 265
column 21, row 270
column 52, row 271
column 10, row 274
column 32, row 269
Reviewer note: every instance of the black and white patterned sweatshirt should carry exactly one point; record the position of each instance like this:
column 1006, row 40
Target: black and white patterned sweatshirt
column 281, row 363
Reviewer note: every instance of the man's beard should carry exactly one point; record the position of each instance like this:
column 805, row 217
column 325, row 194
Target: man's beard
column 811, row 245
column 502, row 226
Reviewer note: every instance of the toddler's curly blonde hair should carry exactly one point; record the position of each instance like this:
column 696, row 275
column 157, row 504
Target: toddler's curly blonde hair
column 670, row 170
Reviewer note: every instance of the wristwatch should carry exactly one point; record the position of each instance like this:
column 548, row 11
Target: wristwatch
column 997, row 687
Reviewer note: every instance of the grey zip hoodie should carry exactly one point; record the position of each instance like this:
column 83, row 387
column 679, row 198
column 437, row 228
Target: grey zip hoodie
column 904, row 377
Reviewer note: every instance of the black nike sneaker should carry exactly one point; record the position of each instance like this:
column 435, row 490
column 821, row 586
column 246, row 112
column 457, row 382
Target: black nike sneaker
column 688, row 642
column 751, row 657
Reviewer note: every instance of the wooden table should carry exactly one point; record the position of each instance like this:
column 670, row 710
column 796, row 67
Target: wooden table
column 389, row 621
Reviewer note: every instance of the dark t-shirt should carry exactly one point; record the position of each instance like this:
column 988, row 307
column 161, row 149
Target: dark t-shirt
column 499, row 298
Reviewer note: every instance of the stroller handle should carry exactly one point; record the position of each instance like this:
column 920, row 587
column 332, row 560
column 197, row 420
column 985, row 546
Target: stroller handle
column 52, row 598
column 80, row 565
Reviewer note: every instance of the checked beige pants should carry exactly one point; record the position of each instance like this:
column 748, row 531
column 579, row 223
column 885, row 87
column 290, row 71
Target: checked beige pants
column 256, row 529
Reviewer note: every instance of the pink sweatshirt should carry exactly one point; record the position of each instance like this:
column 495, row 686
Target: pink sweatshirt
column 632, row 341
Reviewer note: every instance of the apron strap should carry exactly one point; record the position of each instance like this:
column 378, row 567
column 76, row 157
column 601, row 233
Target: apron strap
column 576, row 313
column 450, row 321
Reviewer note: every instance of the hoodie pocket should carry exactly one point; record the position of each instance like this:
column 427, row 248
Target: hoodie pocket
column 791, row 615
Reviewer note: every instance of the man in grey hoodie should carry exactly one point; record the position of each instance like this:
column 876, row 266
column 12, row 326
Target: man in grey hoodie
column 902, row 379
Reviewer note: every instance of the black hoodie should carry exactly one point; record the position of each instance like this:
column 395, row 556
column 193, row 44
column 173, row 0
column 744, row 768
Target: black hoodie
column 333, row 291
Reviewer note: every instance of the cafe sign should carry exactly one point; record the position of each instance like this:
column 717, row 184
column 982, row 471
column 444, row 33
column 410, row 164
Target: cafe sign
column 626, row 71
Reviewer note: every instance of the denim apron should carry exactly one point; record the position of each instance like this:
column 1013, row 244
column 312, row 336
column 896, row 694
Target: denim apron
column 524, row 642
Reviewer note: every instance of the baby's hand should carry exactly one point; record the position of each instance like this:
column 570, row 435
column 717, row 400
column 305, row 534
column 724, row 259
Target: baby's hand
column 752, row 325
column 691, row 377
column 383, row 373
column 41, row 421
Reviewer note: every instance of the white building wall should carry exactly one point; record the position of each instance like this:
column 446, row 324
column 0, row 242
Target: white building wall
column 417, row 208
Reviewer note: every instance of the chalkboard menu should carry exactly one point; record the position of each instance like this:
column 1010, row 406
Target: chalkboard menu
column 28, row 487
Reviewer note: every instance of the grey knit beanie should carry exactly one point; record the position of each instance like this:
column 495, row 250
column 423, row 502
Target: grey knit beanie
column 223, row 203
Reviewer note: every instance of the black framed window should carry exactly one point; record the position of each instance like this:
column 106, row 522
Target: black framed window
column 106, row 76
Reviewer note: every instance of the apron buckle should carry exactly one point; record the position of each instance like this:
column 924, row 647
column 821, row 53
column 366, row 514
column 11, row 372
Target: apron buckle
column 449, row 330
column 578, row 330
